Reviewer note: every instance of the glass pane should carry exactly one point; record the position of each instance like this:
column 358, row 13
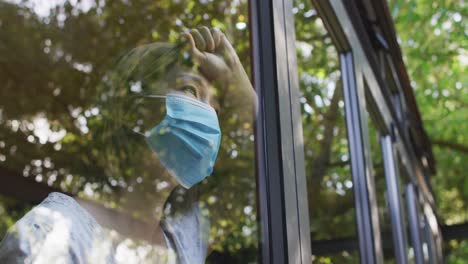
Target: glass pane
column 141, row 116
column 329, row 182
column 424, row 242
column 428, row 239
column 422, row 232
column 381, row 193
column 404, row 179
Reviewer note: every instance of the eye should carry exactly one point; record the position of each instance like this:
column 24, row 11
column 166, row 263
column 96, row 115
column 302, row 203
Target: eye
column 187, row 89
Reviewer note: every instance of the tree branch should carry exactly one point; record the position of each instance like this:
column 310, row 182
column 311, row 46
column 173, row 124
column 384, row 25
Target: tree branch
column 451, row 145
column 321, row 161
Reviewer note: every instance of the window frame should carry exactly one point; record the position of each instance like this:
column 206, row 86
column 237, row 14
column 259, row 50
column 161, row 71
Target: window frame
column 281, row 181
column 284, row 218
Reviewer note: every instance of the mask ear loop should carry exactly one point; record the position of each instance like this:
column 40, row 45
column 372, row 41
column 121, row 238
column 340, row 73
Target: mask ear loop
column 147, row 96
column 153, row 96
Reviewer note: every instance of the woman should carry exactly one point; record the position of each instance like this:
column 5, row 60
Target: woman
column 184, row 136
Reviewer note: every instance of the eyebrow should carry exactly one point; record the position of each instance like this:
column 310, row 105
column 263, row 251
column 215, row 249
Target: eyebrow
column 199, row 80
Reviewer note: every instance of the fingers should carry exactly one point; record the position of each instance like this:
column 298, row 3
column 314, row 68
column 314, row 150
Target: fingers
column 217, row 36
column 199, row 40
column 193, row 46
column 226, row 44
column 205, row 39
column 221, row 41
column 209, row 42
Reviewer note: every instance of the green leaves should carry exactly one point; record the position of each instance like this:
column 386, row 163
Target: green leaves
column 433, row 39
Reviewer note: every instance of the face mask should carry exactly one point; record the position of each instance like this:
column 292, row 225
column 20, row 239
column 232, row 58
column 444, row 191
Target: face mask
column 187, row 140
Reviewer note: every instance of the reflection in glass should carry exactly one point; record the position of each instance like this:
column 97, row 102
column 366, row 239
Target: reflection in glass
column 405, row 179
column 330, row 187
column 108, row 102
column 381, row 192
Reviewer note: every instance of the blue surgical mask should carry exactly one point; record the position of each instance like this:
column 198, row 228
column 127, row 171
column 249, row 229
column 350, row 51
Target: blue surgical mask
column 187, row 140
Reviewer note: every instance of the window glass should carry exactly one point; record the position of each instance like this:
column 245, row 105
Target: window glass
column 383, row 207
column 329, row 182
column 404, row 179
column 141, row 114
column 424, row 242
column 422, row 232
column 428, row 246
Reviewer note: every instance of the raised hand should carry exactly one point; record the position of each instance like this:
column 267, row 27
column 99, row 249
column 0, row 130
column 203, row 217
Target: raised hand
column 213, row 52
column 219, row 63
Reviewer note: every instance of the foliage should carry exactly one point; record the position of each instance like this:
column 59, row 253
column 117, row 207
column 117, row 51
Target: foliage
column 54, row 67
column 58, row 117
column 432, row 36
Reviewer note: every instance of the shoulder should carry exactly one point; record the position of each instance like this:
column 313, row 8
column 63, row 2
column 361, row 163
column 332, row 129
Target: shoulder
column 58, row 230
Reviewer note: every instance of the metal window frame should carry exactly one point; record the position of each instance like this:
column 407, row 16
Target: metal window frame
column 429, row 239
column 423, row 227
column 283, row 211
column 370, row 247
column 414, row 222
column 284, row 217
column 343, row 17
column 392, row 178
column 436, row 231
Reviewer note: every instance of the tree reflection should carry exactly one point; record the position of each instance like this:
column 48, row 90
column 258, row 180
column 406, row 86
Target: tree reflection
column 55, row 124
